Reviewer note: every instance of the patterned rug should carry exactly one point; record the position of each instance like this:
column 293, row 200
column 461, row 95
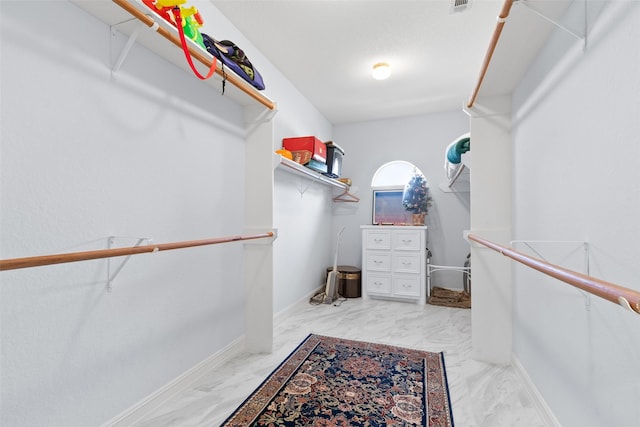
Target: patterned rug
column 330, row 381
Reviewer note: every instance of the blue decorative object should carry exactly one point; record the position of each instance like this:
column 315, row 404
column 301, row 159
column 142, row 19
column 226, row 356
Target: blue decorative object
column 455, row 151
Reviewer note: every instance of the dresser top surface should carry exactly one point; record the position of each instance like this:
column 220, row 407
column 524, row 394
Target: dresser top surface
column 393, row 227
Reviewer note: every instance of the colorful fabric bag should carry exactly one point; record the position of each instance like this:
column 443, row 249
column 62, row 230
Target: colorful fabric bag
column 234, row 58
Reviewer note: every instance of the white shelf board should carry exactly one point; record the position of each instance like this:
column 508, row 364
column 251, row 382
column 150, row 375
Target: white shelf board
column 297, row 169
column 112, row 14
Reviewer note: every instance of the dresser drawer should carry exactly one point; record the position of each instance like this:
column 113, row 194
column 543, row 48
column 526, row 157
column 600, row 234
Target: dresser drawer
column 378, row 261
column 406, row 285
column 408, row 240
column 406, row 262
column 379, row 284
column 378, row 239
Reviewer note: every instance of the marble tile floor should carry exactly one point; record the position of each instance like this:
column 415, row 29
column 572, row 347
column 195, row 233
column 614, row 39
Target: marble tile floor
column 482, row 395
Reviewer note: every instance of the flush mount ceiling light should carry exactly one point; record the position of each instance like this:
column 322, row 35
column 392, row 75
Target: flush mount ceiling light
column 381, row 71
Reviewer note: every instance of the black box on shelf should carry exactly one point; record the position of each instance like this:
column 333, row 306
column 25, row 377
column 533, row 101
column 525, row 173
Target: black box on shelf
column 335, row 153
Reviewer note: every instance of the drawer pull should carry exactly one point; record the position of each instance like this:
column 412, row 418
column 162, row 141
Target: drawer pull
column 377, row 261
column 377, row 283
column 406, row 285
column 406, row 263
column 377, row 240
column 406, row 240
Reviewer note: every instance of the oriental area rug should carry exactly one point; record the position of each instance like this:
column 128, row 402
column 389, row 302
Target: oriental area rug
column 330, row 381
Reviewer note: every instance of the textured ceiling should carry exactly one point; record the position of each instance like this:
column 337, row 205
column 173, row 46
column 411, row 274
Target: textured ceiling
column 326, row 48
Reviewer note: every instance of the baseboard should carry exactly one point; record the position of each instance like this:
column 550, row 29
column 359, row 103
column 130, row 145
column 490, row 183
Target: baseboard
column 285, row 312
column 155, row 400
column 543, row 409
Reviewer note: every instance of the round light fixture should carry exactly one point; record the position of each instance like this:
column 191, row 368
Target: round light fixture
column 381, row 71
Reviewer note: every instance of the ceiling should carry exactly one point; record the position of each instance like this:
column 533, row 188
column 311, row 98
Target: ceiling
column 327, row 48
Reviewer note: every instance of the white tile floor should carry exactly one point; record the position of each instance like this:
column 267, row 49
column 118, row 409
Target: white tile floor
column 481, row 394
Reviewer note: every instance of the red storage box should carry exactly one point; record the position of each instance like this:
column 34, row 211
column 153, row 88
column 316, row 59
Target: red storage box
column 310, row 143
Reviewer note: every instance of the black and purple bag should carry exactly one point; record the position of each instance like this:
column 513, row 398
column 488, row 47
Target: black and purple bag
column 234, row 58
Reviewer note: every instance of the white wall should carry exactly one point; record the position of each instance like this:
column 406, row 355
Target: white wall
column 151, row 153
column 421, row 140
column 83, row 158
column 303, row 219
column 576, row 174
column 302, row 209
column 491, row 184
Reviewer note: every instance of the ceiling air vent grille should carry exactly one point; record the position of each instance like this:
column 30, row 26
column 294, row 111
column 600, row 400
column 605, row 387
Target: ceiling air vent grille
column 460, row 5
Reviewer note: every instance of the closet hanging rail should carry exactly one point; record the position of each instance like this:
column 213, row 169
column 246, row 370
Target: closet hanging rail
column 195, row 53
column 627, row 298
column 504, row 13
column 36, row 261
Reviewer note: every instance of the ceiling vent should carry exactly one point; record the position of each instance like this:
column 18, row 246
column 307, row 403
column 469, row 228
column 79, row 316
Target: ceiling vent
column 460, row 5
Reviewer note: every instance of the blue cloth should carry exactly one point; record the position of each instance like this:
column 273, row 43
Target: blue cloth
column 455, row 152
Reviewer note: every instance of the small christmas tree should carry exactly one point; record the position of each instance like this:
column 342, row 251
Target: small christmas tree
column 415, row 197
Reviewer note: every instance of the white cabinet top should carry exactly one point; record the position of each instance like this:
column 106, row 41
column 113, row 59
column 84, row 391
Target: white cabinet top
column 394, row 227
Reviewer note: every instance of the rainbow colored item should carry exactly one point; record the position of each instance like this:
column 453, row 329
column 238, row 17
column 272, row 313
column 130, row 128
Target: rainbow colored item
column 191, row 19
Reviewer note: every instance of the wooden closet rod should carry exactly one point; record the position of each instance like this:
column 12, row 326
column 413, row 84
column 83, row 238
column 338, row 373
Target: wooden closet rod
column 36, row 261
column 628, row 298
column 504, row 13
column 195, row 53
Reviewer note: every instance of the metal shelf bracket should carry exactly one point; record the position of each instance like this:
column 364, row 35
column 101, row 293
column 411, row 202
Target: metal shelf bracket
column 581, row 37
column 586, row 265
column 113, row 29
column 110, row 242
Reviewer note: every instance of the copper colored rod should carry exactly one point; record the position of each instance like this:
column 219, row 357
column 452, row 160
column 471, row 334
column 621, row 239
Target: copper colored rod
column 504, row 13
column 606, row 290
column 195, row 53
column 37, row 261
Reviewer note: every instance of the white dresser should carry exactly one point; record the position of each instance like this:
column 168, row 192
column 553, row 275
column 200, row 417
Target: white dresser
column 394, row 262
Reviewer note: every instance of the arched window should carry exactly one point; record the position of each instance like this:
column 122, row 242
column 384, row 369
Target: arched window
column 399, row 191
column 394, row 174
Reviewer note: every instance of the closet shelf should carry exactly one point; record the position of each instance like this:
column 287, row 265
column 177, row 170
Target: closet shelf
column 297, row 169
column 127, row 16
column 457, row 172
